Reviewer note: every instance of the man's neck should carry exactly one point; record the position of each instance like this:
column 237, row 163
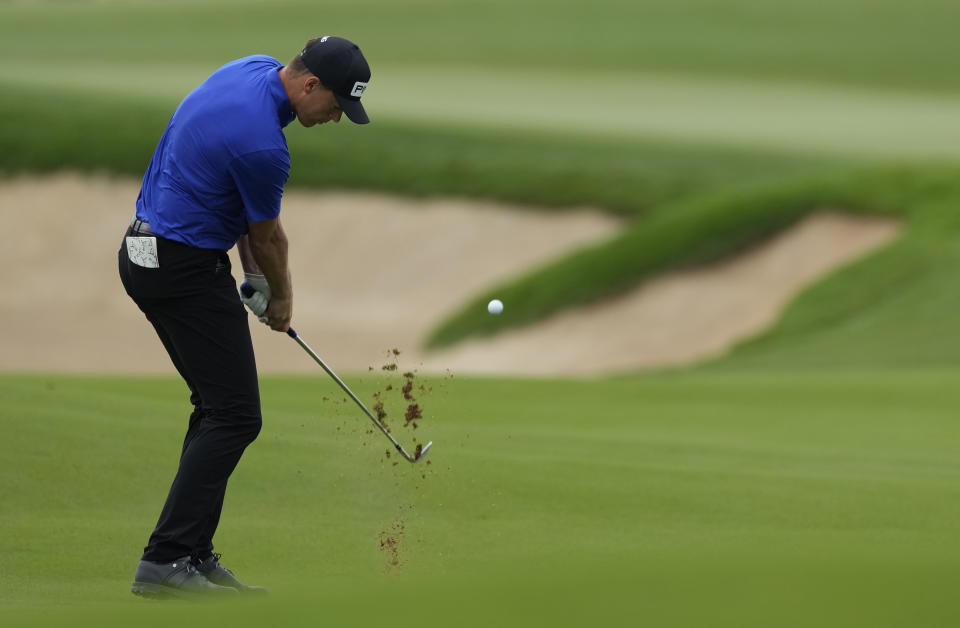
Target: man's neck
column 287, row 85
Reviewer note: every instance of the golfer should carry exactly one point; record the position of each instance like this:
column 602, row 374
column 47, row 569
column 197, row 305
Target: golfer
column 215, row 180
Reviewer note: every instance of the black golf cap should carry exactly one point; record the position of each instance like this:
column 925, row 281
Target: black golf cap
column 340, row 66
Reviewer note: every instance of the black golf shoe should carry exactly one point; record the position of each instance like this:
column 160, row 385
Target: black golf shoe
column 179, row 579
column 218, row 574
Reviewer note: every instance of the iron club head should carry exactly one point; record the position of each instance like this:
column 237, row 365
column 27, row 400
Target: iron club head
column 423, row 452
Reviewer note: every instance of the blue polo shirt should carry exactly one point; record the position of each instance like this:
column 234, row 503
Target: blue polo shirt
column 223, row 159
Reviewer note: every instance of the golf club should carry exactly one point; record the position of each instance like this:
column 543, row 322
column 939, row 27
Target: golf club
column 418, row 454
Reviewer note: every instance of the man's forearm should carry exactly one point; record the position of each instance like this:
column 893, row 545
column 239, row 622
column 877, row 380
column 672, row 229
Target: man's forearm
column 246, row 256
column 270, row 258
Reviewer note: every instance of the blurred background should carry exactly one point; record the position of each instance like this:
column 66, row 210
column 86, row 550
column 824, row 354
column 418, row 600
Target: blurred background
column 591, row 120
column 737, row 219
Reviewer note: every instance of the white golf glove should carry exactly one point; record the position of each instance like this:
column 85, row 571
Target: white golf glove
column 260, row 299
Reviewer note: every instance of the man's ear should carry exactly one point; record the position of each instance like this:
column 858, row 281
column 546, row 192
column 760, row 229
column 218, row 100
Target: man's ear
column 311, row 84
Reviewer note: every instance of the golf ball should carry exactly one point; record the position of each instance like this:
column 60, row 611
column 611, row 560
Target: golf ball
column 495, row 306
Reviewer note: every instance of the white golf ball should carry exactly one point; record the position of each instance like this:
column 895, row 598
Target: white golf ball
column 495, row 306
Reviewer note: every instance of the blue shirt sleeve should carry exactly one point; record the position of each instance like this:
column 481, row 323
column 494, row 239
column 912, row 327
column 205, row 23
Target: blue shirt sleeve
column 260, row 177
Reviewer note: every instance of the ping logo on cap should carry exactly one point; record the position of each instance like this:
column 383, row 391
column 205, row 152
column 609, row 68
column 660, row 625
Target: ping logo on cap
column 358, row 88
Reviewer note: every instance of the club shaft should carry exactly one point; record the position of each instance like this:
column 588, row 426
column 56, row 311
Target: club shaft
column 347, row 390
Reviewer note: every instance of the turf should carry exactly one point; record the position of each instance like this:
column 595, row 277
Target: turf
column 737, row 496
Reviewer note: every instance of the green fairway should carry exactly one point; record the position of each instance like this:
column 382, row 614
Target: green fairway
column 672, row 483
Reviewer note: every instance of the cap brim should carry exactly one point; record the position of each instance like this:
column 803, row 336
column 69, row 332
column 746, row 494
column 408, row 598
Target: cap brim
column 354, row 109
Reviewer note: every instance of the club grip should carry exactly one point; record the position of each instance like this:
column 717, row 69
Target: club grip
column 248, row 291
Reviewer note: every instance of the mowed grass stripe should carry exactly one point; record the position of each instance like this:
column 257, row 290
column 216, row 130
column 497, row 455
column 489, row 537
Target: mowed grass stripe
column 805, row 118
column 778, row 116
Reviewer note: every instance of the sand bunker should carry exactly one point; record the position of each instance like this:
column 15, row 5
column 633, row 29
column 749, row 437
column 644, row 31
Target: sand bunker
column 681, row 317
column 374, row 272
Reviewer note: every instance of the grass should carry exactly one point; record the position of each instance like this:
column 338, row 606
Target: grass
column 882, row 43
column 797, row 87
column 736, row 496
column 118, row 135
column 895, row 307
column 779, row 117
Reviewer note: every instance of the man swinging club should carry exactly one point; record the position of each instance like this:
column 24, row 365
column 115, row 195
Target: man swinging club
column 215, row 180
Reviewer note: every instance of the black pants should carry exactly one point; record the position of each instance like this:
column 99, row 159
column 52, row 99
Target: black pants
column 192, row 302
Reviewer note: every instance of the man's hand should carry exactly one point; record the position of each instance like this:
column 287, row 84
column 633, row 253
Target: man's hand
column 258, row 283
column 279, row 313
column 259, row 299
